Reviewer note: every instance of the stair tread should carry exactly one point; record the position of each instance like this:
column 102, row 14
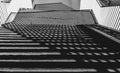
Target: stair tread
column 52, row 60
column 7, row 33
column 19, row 44
column 48, row 70
column 24, row 48
column 6, row 37
column 30, row 53
column 10, row 35
column 17, row 40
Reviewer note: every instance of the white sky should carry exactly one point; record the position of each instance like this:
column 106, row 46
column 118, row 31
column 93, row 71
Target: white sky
column 16, row 4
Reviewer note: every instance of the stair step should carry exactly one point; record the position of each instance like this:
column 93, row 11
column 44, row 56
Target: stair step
column 48, row 70
column 10, row 35
column 56, row 65
column 16, row 40
column 54, row 60
column 22, row 44
column 12, row 38
column 30, row 53
column 25, row 48
column 35, row 57
column 7, row 33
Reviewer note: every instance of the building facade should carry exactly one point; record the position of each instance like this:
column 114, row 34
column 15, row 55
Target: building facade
column 75, row 4
column 107, row 16
column 3, row 12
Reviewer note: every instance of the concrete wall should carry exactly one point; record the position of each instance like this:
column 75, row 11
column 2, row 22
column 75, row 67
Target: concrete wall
column 61, row 17
column 14, row 5
column 76, row 4
column 52, row 6
column 72, row 3
column 107, row 16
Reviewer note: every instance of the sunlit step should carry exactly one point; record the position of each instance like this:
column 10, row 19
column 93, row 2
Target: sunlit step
column 10, row 35
column 19, row 44
column 55, row 60
column 24, row 48
column 47, row 70
column 7, row 33
column 3, row 29
column 16, row 40
column 30, row 53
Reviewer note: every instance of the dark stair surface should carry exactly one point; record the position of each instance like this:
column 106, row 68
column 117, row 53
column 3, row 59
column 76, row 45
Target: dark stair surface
column 55, row 48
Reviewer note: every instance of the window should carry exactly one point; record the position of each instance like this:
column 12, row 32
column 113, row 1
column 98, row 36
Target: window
column 107, row 3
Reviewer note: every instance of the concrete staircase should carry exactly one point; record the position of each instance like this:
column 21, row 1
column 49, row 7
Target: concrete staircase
column 54, row 48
